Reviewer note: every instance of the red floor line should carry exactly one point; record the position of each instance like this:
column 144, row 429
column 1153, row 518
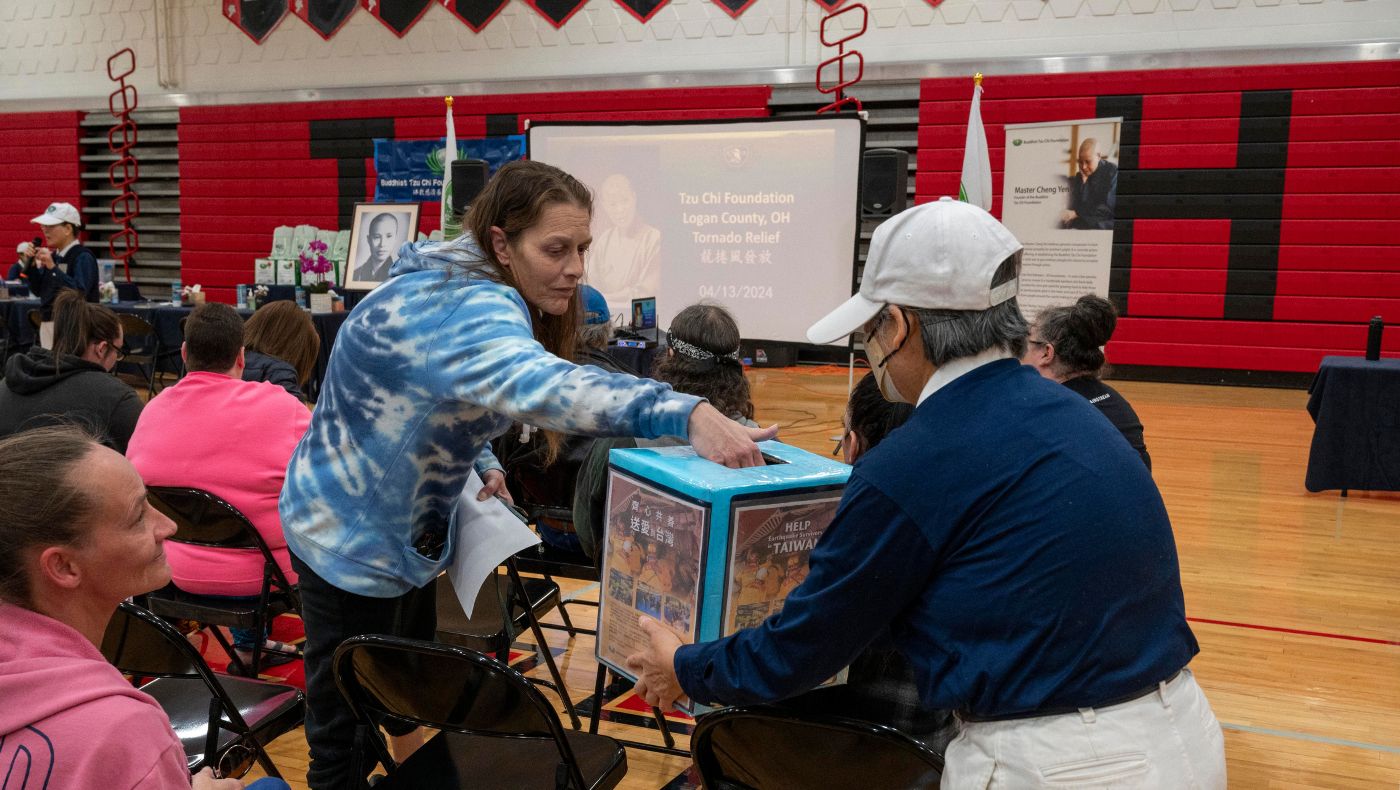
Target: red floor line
column 1348, row 637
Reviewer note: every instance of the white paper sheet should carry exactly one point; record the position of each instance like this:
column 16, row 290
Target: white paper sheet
column 487, row 533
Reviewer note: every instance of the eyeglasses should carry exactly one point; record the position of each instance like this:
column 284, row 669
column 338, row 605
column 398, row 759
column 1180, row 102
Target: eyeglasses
column 121, row 351
column 1037, row 342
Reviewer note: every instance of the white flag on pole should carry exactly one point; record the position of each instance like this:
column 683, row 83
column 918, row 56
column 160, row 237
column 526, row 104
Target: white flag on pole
column 976, row 186
column 449, row 156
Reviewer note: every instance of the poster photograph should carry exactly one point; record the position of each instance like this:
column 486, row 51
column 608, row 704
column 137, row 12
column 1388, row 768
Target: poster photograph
column 770, row 541
column 377, row 232
column 651, row 566
column 1059, row 199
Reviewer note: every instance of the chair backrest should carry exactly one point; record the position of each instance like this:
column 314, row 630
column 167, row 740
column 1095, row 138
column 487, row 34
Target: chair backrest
column 766, row 748
column 139, row 643
column 36, row 319
column 447, row 688
column 139, row 337
column 204, row 519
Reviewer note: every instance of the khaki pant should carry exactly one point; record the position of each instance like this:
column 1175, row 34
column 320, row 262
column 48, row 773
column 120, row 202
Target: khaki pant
column 1168, row 738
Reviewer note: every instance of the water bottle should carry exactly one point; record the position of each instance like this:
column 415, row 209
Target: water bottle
column 242, row 297
column 301, row 298
column 1373, row 339
column 175, row 289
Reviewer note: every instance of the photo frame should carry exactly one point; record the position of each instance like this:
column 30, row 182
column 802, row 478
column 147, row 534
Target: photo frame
column 377, row 231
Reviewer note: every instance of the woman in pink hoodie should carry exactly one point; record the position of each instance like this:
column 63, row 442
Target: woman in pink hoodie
column 76, row 538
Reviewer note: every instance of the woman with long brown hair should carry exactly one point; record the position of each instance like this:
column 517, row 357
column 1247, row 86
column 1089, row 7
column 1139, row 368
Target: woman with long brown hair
column 72, row 382
column 281, row 345
column 462, row 339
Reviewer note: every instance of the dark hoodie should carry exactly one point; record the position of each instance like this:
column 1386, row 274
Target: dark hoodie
column 258, row 366
column 37, row 393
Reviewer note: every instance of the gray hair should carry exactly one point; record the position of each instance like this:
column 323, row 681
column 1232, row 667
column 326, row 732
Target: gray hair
column 955, row 334
column 594, row 336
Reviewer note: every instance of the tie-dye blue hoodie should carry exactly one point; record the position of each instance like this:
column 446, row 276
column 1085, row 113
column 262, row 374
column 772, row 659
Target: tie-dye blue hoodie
column 424, row 373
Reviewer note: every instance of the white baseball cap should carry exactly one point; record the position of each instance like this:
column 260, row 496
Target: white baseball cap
column 59, row 213
column 940, row 255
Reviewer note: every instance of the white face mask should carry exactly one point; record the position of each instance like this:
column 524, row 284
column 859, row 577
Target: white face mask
column 877, row 357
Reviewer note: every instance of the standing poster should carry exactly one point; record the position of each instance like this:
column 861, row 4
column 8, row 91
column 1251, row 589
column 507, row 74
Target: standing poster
column 651, row 565
column 770, row 542
column 1060, row 193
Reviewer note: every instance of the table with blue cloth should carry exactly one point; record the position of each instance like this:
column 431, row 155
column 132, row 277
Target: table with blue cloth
column 1355, row 404
column 14, row 315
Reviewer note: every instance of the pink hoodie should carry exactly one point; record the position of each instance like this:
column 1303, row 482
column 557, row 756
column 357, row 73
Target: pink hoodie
column 68, row 719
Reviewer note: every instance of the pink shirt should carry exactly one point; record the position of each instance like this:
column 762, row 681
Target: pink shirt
column 69, row 719
column 233, row 439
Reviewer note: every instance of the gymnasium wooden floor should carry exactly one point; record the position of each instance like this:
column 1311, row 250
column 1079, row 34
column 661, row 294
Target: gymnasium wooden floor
column 1295, row 597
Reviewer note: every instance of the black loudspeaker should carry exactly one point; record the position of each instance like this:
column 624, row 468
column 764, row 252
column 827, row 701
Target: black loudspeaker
column 1373, row 339
column 884, row 182
column 468, row 179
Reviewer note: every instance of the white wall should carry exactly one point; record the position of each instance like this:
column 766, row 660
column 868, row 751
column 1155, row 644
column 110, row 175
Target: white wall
column 57, row 49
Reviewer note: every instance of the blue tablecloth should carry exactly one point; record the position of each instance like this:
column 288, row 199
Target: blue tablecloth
column 1355, row 404
column 14, row 314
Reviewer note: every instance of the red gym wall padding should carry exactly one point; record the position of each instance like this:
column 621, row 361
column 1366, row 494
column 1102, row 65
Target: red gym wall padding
column 245, row 169
column 1258, row 223
column 39, row 165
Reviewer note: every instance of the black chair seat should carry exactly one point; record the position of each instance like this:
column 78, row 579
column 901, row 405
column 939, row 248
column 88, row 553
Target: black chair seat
column 553, row 561
column 171, row 601
column 142, row 645
column 485, row 625
column 453, row 760
column 270, row 709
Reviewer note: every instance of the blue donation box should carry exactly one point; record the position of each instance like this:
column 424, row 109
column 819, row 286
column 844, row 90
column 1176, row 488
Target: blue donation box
column 705, row 549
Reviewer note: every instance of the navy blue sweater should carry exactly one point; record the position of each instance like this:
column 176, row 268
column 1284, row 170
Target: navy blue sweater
column 1012, row 542
column 77, row 270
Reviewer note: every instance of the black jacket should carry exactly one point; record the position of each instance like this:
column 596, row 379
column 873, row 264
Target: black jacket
column 1094, row 199
column 258, row 366
column 37, row 392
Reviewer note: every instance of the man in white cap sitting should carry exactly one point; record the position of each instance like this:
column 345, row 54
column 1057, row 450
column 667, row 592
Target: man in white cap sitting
column 62, row 262
column 1005, row 536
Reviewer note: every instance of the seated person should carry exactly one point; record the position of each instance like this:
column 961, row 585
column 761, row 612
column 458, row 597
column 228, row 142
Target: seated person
column 232, row 438
column 77, row 536
column 282, row 345
column 701, row 358
column 63, row 262
column 74, row 381
column 1066, row 345
column 880, row 686
column 25, row 252
column 523, row 452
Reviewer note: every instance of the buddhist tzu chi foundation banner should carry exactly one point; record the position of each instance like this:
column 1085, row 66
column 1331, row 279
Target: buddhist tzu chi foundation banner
column 1059, row 198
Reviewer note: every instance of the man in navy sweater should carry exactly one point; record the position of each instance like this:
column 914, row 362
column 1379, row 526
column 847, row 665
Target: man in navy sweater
column 1012, row 543
column 61, row 223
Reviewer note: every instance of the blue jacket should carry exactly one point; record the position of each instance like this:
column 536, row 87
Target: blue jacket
column 1010, row 540
column 425, row 371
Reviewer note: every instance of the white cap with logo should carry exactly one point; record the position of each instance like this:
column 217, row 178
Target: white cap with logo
column 57, row 214
column 940, row 255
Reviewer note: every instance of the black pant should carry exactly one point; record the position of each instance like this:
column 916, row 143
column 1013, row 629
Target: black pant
column 332, row 615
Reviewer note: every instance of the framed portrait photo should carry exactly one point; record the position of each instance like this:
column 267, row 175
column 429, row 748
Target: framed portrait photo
column 376, row 233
